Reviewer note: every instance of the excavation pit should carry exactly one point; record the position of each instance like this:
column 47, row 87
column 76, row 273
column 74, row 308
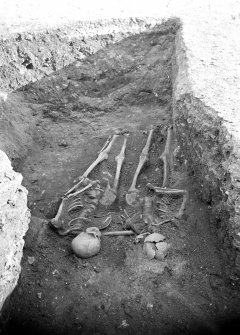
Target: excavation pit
column 60, row 125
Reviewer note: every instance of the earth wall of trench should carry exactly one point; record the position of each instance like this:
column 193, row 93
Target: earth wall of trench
column 212, row 153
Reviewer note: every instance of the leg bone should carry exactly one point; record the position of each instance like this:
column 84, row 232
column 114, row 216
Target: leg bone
column 165, row 157
column 101, row 157
column 110, row 192
column 132, row 192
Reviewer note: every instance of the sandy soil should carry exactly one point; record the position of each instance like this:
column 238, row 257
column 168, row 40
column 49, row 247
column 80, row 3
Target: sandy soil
column 119, row 291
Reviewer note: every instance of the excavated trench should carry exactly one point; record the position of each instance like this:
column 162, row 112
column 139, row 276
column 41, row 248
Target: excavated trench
column 59, row 125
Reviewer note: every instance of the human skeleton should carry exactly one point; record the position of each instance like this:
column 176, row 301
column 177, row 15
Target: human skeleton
column 85, row 196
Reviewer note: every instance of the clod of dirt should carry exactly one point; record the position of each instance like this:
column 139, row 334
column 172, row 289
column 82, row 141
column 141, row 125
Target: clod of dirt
column 31, row 260
column 87, row 244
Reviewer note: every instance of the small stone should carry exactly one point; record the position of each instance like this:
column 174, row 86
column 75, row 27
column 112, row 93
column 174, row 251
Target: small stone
column 124, row 324
column 55, row 272
column 31, row 260
column 28, row 37
column 39, row 294
column 149, row 306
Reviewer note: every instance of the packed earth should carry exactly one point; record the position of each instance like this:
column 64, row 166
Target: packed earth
column 172, row 283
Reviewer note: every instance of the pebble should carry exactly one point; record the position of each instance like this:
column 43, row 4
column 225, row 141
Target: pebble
column 39, row 294
column 31, row 260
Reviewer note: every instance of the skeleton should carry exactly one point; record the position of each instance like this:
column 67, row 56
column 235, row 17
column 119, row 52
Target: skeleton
column 91, row 204
column 132, row 195
column 165, row 157
column 88, row 206
column 82, row 203
column 148, row 201
column 110, row 193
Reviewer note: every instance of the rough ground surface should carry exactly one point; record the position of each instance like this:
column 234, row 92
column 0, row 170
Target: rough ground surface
column 208, row 79
column 70, row 115
column 14, row 220
column 28, row 56
column 208, row 133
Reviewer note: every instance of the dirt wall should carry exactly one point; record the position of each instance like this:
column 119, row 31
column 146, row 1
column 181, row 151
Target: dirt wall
column 14, row 220
column 212, row 154
column 28, row 56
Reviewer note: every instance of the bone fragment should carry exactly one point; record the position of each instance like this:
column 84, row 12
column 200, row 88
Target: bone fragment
column 164, row 191
column 148, row 211
column 183, row 206
column 75, row 206
column 102, row 156
column 55, row 220
column 165, row 157
column 172, row 191
column 78, row 218
column 161, row 222
column 80, row 191
column 119, row 233
column 91, row 183
column 120, row 159
column 105, row 144
column 132, row 192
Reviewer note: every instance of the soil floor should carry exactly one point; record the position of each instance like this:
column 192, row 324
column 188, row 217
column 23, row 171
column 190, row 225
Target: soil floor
column 126, row 87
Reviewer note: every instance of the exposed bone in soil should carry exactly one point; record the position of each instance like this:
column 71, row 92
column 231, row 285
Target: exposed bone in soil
column 110, row 193
column 127, row 86
column 132, row 194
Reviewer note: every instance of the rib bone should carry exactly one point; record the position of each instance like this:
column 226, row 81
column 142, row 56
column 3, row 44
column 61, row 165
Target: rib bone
column 101, row 157
column 110, row 192
column 131, row 196
column 172, row 191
